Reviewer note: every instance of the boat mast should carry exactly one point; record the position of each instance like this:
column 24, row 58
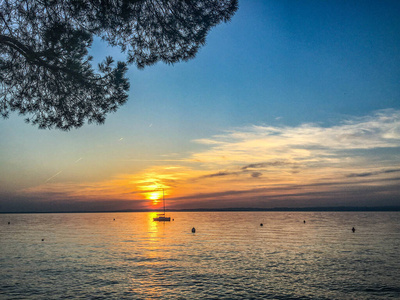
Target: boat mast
column 163, row 200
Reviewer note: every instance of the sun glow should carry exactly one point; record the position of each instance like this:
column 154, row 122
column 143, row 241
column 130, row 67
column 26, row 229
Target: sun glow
column 155, row 197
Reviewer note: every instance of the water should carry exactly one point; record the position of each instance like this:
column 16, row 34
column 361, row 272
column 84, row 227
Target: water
column 230, row 256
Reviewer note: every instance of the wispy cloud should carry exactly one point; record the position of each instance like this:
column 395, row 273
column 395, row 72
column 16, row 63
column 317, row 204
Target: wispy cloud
column 265, row 164
column 306, row 155
column 219, row 174
column 304, row 143
column 367, row 174
column 259, row 165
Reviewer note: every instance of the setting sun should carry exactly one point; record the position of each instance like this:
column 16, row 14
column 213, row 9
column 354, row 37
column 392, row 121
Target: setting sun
column 154, row 196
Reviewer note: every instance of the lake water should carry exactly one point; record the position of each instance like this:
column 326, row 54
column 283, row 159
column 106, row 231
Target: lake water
column 93, row 256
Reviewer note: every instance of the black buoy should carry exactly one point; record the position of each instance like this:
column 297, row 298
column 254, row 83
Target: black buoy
column 261, row 224
column 42, row 240
column 304, row 221
column 173, row 220
column 9, row 223
column 114, row 219
column 193, row 230
column 353, row 229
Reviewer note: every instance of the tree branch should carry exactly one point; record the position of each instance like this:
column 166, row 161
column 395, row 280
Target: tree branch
column 34, row 57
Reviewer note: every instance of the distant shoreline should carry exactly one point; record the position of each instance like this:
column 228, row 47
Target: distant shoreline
column 277, row 209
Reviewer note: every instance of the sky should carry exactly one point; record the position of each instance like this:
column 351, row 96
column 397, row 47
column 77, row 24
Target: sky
column 290, row 104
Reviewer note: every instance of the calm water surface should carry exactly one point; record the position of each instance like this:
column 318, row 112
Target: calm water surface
column 93, row 256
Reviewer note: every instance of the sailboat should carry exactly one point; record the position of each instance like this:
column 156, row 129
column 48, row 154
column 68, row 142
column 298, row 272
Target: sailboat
column 162, row 217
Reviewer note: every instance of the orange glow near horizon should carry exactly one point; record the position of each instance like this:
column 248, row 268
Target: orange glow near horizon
column 155, row 197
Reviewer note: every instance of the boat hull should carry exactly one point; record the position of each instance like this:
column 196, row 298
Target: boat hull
column 162, row 219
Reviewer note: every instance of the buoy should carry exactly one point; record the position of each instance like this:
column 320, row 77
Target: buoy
column 8, row 223
column 42, row 240
column 304, row 221
column 193, row 230
column 173, row 220
column 353, row 229
column 114, row 219
column 261, row 224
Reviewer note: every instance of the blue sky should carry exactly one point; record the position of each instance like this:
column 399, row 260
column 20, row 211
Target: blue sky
column 288, row 96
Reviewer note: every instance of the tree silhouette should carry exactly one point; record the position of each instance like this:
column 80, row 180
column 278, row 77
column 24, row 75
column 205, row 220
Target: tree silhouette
column 47, row 74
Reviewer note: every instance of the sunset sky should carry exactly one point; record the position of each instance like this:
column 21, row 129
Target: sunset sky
column 291, row 104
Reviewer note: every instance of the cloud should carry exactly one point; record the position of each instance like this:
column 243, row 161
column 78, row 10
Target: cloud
column 256, row 174
column 305, row 156
column 219, row 174
column 374, row 173
column 305, row 143
column 335, row 191
column 262, row 165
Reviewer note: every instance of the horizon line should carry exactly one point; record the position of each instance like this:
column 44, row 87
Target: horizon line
column 232, row 209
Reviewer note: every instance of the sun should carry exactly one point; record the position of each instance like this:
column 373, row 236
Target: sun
column 153, row 191
column 155, row 197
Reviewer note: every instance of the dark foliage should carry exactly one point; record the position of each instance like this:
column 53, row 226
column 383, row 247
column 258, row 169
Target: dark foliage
column 45, row 70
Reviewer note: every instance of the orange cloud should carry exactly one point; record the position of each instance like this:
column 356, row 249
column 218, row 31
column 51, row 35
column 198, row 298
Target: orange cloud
column 264, row 163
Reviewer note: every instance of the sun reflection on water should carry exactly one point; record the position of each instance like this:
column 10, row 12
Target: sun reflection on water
column 128, row 255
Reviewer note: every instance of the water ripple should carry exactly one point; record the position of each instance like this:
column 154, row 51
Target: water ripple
column 229, row 257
